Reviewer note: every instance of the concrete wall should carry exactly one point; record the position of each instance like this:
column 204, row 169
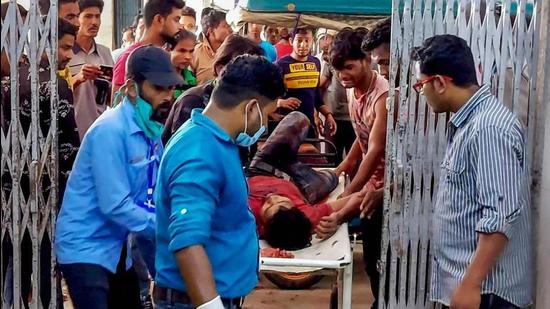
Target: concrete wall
column 106, row 31
column 543, row 203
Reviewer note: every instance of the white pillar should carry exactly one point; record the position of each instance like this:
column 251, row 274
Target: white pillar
column 106, row 34
column 542, row 213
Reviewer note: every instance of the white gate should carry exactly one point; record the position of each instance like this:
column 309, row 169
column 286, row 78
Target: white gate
column 503, row 36
column 29, row 164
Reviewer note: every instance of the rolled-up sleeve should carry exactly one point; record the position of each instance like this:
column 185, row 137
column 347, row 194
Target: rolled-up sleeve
column 112, row 182
column 194, row 189
column 500, row 180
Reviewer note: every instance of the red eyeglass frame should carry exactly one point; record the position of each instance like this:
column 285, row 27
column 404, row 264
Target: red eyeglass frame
column 418, row 86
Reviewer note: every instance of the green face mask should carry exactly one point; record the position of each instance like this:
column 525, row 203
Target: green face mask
column 143, row 112
column 153, row 129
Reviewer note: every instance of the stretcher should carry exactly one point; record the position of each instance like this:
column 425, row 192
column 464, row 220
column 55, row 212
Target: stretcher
column 333, row 256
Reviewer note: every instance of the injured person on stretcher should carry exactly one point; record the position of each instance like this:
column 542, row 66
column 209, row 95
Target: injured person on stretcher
column 289, row 211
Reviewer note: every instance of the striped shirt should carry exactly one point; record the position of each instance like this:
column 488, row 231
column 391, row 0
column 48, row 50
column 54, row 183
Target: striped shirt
column 483, row 189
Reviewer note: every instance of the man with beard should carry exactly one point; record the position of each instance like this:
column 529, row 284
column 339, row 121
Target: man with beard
column 91, row 87
column 161, row 26
column 110, row 191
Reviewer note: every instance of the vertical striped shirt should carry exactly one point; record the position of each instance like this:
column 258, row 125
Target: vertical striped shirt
column 483, row 189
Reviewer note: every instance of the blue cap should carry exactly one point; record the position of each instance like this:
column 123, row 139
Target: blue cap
column 154, row 64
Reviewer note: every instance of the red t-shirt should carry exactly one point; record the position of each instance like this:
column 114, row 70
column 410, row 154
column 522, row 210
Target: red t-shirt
column 119, row 71
column 262, row 186
column 283, row 50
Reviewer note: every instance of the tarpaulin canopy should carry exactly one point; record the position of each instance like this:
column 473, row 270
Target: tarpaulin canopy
column 327, row 14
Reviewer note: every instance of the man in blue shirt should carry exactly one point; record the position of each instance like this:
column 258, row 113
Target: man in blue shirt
column 207, row 246
column 110, row 190
column 254, row 33
column 481, row 221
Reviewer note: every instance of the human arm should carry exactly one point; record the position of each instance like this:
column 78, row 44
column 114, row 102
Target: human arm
column 87, row 72
column 468, row 293
column 196, row 270
column 329, row 119
column 375, row 151
column 114, row 194
column 351, row 162
column 193, row 188
column 343, row 209
column 502, row 196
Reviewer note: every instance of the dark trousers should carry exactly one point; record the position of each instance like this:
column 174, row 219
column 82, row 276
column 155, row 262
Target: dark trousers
column 94, row 287
column 372, row 241
column 280, row 152
column 343, row 139
column 491, row 301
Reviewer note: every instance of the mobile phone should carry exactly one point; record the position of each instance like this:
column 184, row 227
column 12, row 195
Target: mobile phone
column 107, row 71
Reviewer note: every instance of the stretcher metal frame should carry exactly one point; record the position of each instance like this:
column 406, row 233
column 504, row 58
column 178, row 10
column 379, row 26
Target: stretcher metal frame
column 342, row 267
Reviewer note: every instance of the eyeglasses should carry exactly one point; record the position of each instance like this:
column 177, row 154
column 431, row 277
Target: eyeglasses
column 419, row 86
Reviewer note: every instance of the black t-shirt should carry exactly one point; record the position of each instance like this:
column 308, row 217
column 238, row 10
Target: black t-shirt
column 302, row 82
column 196, row 97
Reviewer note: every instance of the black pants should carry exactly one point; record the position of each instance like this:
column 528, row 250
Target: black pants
column 343, row 139
column 491, row 301
column 372, row 241
column 94, row 287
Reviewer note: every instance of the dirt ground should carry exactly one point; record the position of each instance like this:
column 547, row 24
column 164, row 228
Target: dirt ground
column 268, row 296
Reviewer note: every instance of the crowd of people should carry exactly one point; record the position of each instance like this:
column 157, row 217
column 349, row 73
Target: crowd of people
column 163, row 178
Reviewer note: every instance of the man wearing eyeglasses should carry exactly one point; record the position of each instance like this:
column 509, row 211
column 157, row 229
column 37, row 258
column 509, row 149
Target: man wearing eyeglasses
column 481, row 235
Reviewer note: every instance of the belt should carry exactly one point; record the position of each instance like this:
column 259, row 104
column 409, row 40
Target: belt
column 174, row 296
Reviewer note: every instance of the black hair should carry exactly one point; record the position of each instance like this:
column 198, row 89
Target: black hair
column 378, row 35
column 302, row 30
column 136, row 19
column 4, row 10
column 234, row 46
column 84, row 4
column 205, row 11
column 347, row 46
column 248, row 77
column 447, row 55
column 125, row 29
column 288, row 229
column 189, row 11
column 185, row 35
column 44, row 5
column 160, row 7
column 65, row 28
column 212, row 20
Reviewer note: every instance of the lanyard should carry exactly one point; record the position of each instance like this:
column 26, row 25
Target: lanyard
column 149, row 202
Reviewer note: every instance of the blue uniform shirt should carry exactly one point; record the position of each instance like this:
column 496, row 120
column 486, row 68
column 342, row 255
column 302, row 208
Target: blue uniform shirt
column 202, row 199
column 109, row 178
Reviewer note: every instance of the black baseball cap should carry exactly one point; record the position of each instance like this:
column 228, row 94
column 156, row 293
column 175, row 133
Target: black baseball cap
column 154, row 64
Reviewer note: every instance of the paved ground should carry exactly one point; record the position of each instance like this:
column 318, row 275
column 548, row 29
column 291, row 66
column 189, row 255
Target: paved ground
column 268, row 296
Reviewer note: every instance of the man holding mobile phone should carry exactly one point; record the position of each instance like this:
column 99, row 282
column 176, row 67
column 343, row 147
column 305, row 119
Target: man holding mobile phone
column 90, row 67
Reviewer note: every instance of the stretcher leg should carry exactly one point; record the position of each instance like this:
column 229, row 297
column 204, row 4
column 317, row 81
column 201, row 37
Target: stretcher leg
column 347, row 285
